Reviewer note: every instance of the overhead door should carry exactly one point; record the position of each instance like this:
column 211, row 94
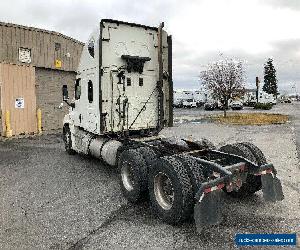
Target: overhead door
column 18, row 96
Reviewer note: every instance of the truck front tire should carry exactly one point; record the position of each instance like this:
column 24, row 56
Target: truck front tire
column 68, row 140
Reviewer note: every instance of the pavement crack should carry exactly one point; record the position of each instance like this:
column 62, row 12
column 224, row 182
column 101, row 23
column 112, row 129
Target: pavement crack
column 112, row 216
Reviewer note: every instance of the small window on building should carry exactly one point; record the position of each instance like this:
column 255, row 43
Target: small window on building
column 90, row 91
column 77, row 89
column 141, row 81
column 128, row 81
column 25, row 55
column 91, row 48
column 57, row 46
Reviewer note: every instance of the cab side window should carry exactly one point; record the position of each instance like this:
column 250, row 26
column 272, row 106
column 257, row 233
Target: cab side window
column 91, row 48
column 77, row 89
column 90, row 91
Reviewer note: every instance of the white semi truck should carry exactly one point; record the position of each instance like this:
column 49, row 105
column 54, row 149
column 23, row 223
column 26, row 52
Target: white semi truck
column 123, row 99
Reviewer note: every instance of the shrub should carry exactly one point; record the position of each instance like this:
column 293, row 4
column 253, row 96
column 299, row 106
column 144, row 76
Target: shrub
column 264, row 106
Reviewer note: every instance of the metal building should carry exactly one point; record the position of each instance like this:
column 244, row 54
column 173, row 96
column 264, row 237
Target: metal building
column 34, row 64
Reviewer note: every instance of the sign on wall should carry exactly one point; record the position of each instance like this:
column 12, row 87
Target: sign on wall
column 19, row 103
column 24, row 55
column 57, row 63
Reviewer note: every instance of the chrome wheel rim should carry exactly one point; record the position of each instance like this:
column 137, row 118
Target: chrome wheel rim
column 163, row 191
column 126, row 173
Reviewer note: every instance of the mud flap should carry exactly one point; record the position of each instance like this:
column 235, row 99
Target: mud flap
column 271, row 187
column 207, row 210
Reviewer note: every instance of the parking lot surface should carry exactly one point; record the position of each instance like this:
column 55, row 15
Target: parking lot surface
column 51, row 200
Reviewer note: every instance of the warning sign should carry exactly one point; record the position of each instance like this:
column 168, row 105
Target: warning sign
column 57, row 63
column 19, row 104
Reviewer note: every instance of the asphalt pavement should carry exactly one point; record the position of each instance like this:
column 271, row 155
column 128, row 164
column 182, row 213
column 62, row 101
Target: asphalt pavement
column 51, row 200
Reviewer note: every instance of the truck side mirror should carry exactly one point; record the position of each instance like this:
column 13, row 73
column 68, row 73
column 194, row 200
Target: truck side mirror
column 65, row 92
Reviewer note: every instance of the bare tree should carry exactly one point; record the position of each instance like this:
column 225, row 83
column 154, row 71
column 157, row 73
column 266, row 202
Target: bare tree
column 225, row 79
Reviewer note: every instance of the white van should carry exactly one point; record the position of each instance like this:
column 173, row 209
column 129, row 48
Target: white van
column 189, row 103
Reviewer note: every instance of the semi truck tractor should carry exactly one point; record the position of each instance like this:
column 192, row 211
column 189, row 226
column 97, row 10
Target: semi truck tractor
column 123, row 99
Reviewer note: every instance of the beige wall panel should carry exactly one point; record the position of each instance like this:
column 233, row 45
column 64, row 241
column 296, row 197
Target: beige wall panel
column 19, row 82
column 1, row 113
column 22, row 38
column 4, row 32
column 15, row 47
column 38, row 56
column 67, row 59
column 43, row 51
column 9, row 45
column 1, row 44
column 26, row 41
column 5, row 47
column 1, row 117
column 61, row 54
column 46, row 51
column 48, row 58
column 18, row 36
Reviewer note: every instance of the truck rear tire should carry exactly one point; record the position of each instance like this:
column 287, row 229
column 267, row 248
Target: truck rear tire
column 170, row 190
column 68, row 140
column 133, row 175
column 258, row 154
column 203, row 143
column 195, row 171
column 253, row 183
column 149, row 154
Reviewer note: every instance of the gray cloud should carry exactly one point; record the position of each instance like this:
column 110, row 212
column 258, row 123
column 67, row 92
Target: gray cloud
column 78, row 18
column 291, row 4
column 287, row 62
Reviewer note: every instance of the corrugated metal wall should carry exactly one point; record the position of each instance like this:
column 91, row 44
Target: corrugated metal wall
column 42, row 45
column 18, row 82
column 1, row 128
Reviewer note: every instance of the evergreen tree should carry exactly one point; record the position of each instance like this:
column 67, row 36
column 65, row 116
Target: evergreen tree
column 270, row 80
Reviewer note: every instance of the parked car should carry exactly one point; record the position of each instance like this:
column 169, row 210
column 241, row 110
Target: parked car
column 189, row 103
column 220, row 106
column 200, row 103
column 178, row 104
column 236, row 105
column 210, row 106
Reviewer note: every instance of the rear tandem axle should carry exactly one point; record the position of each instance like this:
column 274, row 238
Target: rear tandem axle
column 187, row 178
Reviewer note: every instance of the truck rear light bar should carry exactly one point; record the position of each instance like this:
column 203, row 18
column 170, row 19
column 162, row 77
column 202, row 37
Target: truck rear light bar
column 210, row 189
column 267, row 171
column 208, row 198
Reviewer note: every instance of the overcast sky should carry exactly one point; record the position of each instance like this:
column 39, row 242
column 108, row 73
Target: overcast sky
column 203, row 30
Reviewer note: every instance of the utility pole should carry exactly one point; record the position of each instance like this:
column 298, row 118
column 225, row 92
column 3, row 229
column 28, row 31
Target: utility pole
column 257, row 88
